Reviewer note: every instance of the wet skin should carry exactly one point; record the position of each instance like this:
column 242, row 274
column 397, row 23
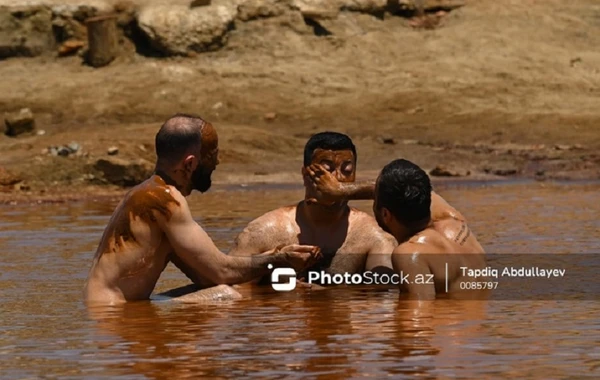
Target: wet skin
column 153, row 226
column 350, row 240
column 446, row 238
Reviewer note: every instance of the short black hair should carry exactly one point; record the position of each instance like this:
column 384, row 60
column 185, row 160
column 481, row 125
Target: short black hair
column 178, row 134
column 405, row 190
column 327, row 141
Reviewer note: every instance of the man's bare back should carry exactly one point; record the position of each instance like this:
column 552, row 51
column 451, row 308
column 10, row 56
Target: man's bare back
column 134, row 250
column 431, row 250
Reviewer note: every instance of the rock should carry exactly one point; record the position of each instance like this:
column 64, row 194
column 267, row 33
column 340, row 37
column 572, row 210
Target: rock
column 270, row 116
column 199, row 3
column 41, row 132
column 25, row 31
column 386, row 140
column 502, row 170
column 317, row 9
column 73, row 147
column 70, row 47
column 9, row 178
column 177, row 30
column 410, row 142
column 442, row 171
column 123, row 172
column 567, row 147
column 19, row 122
column 63, row 151
column 112, row 151
column 22, row 187
column 364, row 6
column 253, row 9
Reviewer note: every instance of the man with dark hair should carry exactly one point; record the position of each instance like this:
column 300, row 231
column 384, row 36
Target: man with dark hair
column 350, row 240
column 431, row 234
column 153, row 226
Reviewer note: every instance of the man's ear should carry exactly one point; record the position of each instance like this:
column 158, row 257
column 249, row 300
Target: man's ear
column 303, row 171
column 387, row 216
column 190, row 163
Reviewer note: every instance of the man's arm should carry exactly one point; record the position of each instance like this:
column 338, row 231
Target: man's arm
column 259, row 235
column 206, row 264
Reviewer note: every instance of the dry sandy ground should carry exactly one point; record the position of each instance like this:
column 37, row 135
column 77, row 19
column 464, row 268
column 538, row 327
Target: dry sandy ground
column 499, row 87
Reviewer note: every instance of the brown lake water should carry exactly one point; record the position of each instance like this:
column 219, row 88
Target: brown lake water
column 46, row 332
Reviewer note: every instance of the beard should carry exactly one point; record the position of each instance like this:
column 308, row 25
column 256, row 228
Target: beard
column 201, row 180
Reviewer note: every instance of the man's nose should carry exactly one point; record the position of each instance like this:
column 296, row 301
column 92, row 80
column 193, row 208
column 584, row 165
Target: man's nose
column 339, row 176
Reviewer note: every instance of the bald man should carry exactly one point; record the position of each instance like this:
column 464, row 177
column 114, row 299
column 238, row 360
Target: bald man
column 153, row 226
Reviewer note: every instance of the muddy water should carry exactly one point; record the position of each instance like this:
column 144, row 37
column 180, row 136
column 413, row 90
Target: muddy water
column 45, row 331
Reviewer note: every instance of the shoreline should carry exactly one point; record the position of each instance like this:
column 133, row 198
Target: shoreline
column 115, row 194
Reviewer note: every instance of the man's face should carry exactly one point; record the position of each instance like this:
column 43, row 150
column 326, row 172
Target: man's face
column 340, row 163
column 209, row 159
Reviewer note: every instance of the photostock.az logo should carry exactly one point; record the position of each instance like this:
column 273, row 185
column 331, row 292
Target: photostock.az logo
column 290, row 273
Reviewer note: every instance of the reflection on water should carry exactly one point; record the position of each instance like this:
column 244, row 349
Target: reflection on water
column 337, row 333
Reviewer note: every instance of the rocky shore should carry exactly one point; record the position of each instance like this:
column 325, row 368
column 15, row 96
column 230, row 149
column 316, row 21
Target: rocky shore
column 467, row 89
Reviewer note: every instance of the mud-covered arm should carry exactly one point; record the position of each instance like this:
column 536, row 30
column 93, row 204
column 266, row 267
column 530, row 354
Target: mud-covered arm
column 328, row 188
column 206, row 265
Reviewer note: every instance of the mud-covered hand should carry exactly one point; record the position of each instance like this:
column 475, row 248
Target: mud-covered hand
column 327, row 188
column 301, row 257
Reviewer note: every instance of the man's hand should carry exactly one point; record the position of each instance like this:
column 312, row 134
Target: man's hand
column 326, row 186
column 301, row 257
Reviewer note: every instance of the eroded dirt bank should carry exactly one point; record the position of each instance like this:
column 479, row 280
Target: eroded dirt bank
column 494, row 90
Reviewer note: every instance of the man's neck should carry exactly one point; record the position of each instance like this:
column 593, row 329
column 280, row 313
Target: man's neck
column 322, row 215
column 405, row 232
column 170, row 180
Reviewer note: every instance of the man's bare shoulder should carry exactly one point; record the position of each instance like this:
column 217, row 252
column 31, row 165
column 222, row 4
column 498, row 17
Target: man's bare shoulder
column 427, row 241
column 273, row 220
column 441, row 209
column 266, row 232
column 366, row 223
column 154, row 200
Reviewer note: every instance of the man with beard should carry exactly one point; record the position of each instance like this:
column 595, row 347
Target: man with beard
column 434, row 239
column 153, row 226
column 350, row 240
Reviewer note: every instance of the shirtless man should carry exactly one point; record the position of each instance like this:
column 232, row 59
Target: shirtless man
column 431, row 233
column 350, row 240
column 153, row 226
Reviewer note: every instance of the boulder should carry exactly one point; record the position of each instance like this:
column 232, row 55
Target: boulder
column 8, row 178
column 179, row 30
column 25, row 31
column 253, row 9
column 123, row 172
column 19, row 122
